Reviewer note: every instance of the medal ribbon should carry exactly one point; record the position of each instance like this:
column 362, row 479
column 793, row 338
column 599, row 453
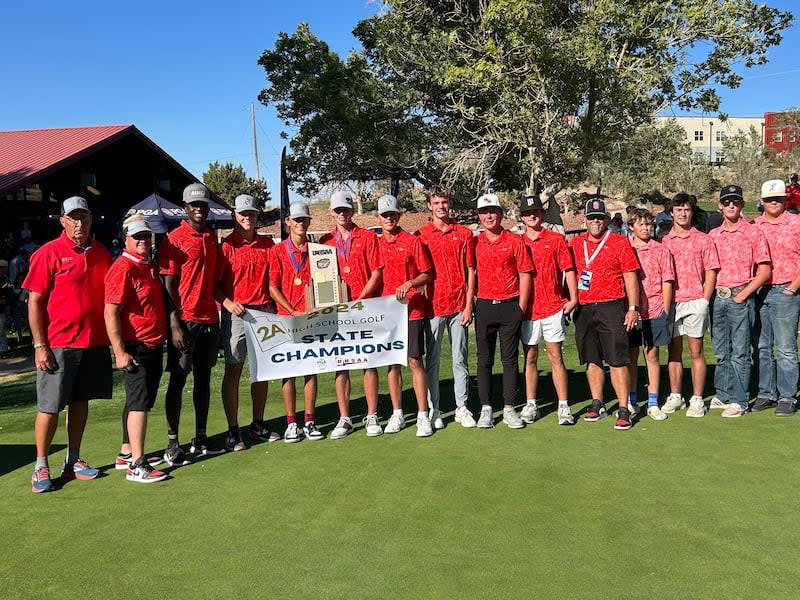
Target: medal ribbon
column 297, row 266
column 343, row 251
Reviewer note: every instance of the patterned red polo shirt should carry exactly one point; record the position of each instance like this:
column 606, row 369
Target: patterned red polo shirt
column 499, row 263
column 245, row 268
column 612, row 260
column 453, row 251
column 739, row 252
column 284, row 275
column 362, row 257
column 404, row 258
column 783, row 238
column 551, row 258
column 657, row 267
column 693, row 255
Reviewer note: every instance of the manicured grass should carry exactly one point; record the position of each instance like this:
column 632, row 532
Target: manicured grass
column 687, row 508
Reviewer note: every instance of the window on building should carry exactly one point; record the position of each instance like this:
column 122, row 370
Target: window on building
column 777, row 136
column 793, row 137
column 720, row 156
column 698, row 136
column 720, row 136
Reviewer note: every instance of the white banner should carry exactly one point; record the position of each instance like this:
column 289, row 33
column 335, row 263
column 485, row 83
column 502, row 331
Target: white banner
column 351, row 335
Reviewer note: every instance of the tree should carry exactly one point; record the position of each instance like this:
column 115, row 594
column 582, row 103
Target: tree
column 525, row 91
column 749, row 163
column 228, row 181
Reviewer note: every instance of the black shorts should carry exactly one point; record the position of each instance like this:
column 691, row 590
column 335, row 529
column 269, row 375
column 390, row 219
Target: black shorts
column 81, row 374
column 416, row 338
column 202, row 346
column 141, row 384
column 600, row 333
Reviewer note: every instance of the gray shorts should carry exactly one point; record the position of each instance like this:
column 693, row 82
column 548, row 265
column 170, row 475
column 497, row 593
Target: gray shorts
column 233, row 338
column 81, row 374
column 652, row 333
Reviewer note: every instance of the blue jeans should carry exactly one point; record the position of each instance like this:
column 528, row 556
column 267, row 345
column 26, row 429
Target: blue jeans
column 459, row 341
column 731, row 325
column 778, row 314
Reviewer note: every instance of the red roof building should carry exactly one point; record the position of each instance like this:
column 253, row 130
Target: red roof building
column 780, row 133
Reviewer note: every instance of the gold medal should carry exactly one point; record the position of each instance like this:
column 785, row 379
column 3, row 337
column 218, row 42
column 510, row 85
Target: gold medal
column 298, row 281
column 347, row 269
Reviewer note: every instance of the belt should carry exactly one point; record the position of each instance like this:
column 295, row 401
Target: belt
column 506, row 301
column 776, row 285
column 260, row 306
column 725, row 292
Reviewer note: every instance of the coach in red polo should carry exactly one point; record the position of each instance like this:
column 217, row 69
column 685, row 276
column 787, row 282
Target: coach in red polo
column 608, row 296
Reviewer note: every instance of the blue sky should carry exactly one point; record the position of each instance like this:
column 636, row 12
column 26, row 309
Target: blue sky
column 185, row 73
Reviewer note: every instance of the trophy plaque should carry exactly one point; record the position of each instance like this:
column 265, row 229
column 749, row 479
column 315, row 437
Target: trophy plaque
column 326, row 287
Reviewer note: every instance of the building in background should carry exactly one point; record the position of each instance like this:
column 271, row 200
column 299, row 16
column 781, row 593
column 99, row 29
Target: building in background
column 706, row 135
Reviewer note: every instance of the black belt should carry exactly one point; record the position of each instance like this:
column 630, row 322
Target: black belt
column 506, row 301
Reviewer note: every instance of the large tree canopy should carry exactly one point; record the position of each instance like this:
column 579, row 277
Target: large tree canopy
column 527, row 91
column 228, row 181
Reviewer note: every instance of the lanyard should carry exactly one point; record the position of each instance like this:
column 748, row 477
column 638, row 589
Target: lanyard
column 297, row 266
column 586, row 256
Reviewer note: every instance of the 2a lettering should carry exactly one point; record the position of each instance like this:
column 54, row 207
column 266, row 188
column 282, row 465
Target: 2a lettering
column 268, row 332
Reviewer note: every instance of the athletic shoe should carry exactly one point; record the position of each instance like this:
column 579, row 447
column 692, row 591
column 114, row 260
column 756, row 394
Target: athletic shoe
column 424, row 427
column 312, row 433
column 485, row 421
column 234, row 444
column 657, row 414
column 717, row 403
column 633, row 408
column 733, row 410
column 144, row 473
column 785, row 408
column 529, row 413
column 674, row 402
column 292, row 434
column 763, row 404
column 464, row 417
column 596, row 412
column 174, row 456
column 122, row 463
column 261, row 433
column 511, row 418
column 372, row 426
column 565, row 416
column 395, row 424
column 343, row 428
column 623, row 421
column 40, row 481
column 78, row 470
column 697, row 408
column 202, row 446
column 436, row 419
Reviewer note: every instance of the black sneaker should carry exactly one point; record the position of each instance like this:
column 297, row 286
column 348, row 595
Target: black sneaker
column 785, row 408
column 623, row 421
column 202, row 446
column 763, row 404
column 174, row 456
column 596, row 412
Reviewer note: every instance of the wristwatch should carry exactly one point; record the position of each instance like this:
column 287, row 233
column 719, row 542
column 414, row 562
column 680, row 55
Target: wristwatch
column 633, row 308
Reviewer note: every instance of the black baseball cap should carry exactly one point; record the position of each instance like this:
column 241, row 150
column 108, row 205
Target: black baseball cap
column 730, row 191
column 531, row 203
column 595, row 207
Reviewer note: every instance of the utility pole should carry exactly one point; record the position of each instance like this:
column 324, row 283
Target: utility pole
column 255, row 144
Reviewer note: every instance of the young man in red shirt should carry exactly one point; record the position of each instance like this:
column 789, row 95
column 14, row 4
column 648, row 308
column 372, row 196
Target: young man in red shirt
column 189, row 259
column 136, row 322
column 245, row 263
column 70, row 343
column 289, row 274
column 545, row 315
column 450, row 300
column 407, row 268
column 361, row 268
column 504, row 270
column 793, row 195
column 607, row 278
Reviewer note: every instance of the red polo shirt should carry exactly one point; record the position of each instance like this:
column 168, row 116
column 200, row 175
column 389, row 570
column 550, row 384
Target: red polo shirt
column 614, row 258
column 551, row 257
column 283, row 274
column 193, row 257
column 783, row 238
column 71, row 279
column 739, row 252
column 657, row 267
column 245, row 266
column 134, row 284
column 693, row 255
column 453, row 251
column 498, row 264
column 362, row 257
column 404, row 258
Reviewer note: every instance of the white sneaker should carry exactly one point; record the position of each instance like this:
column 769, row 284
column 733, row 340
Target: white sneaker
column 511, row 418
column 733, row 411
column 464, row 417
column 529, row 412
column 656, row 413
column 485, row 421
column 424, row 427
column 292, row 434
column 372, row 427
column 565, row 416
column 697, row 408
column 312, row 433
column 343, row 428
column 395, row 424
column 436, row 419
column 674, row 402
column 717, row 403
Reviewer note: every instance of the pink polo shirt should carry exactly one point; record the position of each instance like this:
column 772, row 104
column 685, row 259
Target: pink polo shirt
column 693, row 255
column 657, row 267
column 739, row 252
column 783, row 238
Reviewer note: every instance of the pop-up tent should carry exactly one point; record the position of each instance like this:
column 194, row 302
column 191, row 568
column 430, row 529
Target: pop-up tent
column 163, row 215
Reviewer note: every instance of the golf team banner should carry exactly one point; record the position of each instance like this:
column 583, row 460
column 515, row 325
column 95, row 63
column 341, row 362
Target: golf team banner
column 349, row 335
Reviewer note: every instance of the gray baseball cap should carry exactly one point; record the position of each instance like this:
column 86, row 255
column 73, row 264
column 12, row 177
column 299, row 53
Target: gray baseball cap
column 138, row 227
column 196, row 192
column 387, row 203
column 244, row 202
column 342, row 200
column 298, row 210
column 74, row 203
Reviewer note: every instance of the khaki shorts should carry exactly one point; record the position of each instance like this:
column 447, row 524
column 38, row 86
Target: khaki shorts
column 691, row 318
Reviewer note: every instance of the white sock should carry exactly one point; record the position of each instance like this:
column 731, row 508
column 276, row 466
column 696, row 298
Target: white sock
column 423, row 414
column 398, row 412
column 563, row 404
